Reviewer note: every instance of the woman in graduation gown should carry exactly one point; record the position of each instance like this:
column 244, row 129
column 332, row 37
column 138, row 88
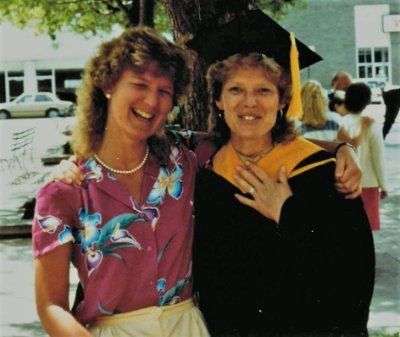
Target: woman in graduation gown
column 290, row 257
column 278, row 251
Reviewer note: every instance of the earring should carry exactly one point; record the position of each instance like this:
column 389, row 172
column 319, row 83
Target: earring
column 108, row 96
column 221, row 113
column 280, row 113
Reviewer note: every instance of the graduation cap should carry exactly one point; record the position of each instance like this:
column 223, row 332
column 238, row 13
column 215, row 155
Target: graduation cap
column 257, row 32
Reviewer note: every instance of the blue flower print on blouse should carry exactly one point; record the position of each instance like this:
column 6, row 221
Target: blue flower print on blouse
column 115, row 231
column 172, row 296
column 90, row 234
column 151, row 214
column 95, row 170
column 93, row 259
column 122, row 236
column 66, row 235
column 104, row 311
column 161, row 283
column 110, row 176
column 166, row 181
column 49, row 223
column 99, row 242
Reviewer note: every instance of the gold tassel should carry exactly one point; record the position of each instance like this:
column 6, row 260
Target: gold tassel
column 295, row 107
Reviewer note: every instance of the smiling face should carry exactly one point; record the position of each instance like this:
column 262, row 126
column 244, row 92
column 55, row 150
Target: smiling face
column 139, row 103
column 250, row 102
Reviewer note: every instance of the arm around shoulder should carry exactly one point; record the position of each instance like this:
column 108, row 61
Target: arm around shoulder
column 348, row 170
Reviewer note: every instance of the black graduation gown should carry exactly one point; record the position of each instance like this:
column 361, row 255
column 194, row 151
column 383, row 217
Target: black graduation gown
column 310, row 275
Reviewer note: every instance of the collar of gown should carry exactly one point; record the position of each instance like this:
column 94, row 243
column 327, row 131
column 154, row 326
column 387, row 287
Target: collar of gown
column 289, row 154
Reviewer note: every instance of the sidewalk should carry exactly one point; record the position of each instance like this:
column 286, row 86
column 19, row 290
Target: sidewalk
column 17, row 309
column 385, row 308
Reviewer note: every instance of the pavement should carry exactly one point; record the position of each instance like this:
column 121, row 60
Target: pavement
column 18, row 316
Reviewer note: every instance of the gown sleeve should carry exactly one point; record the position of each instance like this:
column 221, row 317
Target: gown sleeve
column 328, row 244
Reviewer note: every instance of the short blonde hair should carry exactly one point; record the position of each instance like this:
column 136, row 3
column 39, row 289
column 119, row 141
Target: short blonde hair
column 315, row 104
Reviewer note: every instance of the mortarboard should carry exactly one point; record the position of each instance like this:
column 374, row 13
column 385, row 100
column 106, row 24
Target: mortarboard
column 257, row 32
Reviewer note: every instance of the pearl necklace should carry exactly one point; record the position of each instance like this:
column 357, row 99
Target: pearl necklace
column 124, row 171
column 255, row 157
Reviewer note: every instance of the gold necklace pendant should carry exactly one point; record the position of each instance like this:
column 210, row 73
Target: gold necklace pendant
column 133, row 170
column 255, row 157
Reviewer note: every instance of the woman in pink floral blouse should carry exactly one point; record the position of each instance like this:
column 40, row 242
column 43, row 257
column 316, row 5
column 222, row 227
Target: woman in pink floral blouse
column 128, row 228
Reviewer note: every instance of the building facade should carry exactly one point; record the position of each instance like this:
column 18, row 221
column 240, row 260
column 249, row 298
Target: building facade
column 32, row 63
column 361, row 37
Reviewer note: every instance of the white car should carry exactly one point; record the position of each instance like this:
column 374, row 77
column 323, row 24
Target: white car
column 40, row 104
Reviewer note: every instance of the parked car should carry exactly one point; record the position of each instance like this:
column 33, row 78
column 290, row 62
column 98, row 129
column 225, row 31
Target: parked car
column 40, row 104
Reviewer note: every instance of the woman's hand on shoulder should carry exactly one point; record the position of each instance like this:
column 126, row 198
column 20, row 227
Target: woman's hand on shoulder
column 348, row 172
column 268, row 196
column 68, row 172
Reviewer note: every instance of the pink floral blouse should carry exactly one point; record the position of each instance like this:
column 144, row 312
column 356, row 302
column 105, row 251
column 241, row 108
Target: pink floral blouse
column 129, row 254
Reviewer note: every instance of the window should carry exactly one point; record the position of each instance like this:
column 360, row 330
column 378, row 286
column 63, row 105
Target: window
column 45, row 80
column 14, row 82
column 42, row 98
column 25, row 99
column 44, row 84
column 67, row 81
column 373, row 62
column 15, row 74
column 2, row 87
column 47, row 72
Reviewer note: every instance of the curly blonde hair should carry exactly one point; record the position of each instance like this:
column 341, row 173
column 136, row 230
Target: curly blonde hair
column 315, row 104
column 135, row 48
column 219, row 72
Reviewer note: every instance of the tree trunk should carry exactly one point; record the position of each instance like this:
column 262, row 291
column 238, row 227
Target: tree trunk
column 139, row 12
column 187, row 18
column 146, row 16
column 185, row 21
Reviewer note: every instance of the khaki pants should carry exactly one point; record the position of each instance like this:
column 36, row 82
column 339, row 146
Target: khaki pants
column 178, row 320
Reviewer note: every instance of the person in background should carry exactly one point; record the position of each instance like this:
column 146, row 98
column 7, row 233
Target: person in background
column 321, row 120
column 336, row 103
column 317, row 121
column 127, row 228
column 277, row 250
column 391, row 98
column 340, row 81
column 371, row 151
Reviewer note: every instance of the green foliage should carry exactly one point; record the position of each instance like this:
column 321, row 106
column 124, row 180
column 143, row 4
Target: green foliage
column 278, row 8
column 161, row 20
column 88, row 17
column 92, row 17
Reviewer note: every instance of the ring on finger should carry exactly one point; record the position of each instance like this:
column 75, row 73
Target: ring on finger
column 251, row 190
